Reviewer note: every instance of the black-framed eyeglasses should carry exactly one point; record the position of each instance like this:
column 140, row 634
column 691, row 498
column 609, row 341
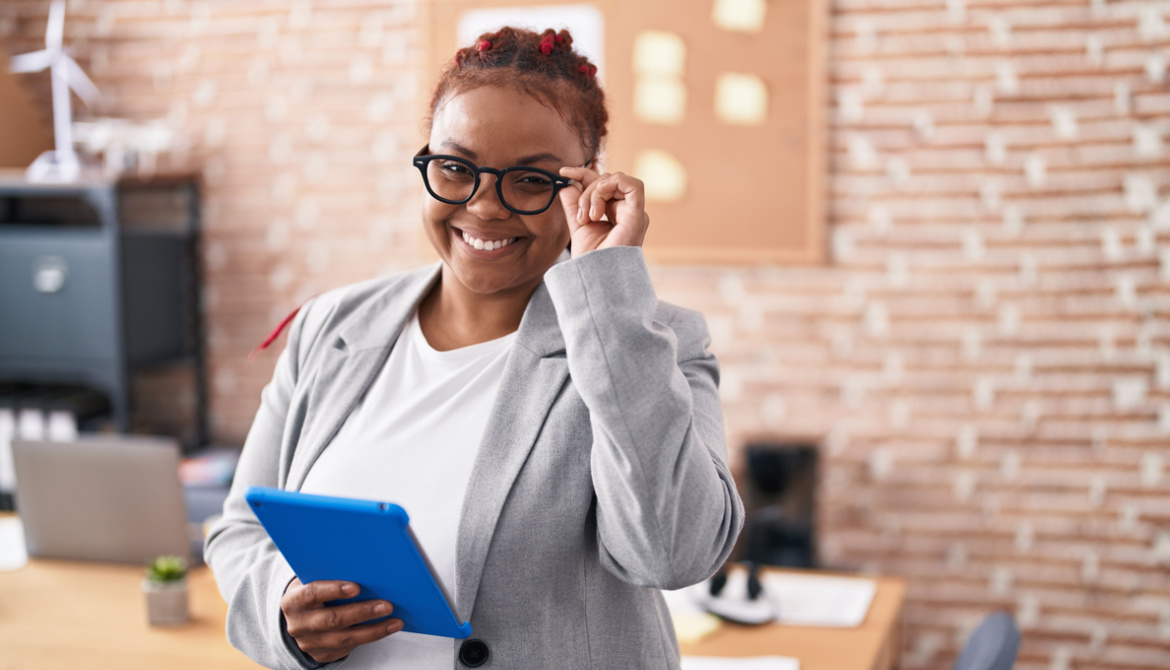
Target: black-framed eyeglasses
column 522, row 189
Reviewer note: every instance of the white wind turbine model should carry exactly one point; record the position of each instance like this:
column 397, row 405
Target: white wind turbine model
column 61, row 165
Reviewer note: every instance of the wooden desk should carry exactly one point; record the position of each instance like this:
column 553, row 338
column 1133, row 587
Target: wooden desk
column 875, row 645
column 64, row 615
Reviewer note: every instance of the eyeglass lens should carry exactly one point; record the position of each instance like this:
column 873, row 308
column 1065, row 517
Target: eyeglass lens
column 522, row 189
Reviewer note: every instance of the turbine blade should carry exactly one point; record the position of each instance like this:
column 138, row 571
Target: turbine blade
column 80, row 83
column 55, row 32
column 30, row 62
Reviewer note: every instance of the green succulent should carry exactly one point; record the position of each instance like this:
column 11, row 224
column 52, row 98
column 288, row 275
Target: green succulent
column 166, row 569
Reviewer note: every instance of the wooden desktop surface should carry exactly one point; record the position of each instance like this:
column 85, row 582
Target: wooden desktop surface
column 874, row 645
column 65, row 614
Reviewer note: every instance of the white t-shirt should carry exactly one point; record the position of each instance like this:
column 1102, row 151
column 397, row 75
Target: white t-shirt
column 412, row 440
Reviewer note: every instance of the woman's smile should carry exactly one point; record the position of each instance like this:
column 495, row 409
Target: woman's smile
column 486, row 246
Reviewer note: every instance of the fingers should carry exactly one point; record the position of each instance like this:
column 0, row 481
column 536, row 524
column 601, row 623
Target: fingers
column 295, row 582
column 597, row 190
column 326, row 619
column 316, row 594
column 569, row 197
column 609, row 210
column 330, row 646
column 619, row 186
column 583, row 175
column 330, row 619
column 329, row 633
column 597, row 196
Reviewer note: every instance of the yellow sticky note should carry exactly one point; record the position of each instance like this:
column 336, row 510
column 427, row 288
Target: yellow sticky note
column 659, row 53
column 691, row 627
column 664, row 175
column 739, row 15
column 741, row 99
column 660, row 100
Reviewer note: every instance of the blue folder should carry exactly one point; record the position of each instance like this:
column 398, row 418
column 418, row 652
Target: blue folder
column 362, row 541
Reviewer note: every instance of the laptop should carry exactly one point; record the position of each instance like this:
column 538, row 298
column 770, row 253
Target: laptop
column 107, row 498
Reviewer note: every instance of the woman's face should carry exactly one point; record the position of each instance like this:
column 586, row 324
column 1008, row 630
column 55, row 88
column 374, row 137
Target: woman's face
column 499, row 127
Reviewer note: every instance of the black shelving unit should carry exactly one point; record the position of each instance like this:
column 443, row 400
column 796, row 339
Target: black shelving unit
column 100, row 279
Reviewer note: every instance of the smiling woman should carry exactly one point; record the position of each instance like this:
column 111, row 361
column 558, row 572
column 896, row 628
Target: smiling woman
column 495, row 126
column 553, row 429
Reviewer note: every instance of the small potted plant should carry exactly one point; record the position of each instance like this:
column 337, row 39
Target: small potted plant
column 165, row 587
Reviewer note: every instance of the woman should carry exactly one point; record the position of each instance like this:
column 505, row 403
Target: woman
column 553, row 430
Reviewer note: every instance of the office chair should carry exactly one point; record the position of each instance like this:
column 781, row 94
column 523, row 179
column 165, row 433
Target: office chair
column 993, row 645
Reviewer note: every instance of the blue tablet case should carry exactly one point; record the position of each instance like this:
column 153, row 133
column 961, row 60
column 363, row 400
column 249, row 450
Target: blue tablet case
column 362, row 541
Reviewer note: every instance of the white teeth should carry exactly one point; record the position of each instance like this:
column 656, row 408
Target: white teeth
column 488, row 245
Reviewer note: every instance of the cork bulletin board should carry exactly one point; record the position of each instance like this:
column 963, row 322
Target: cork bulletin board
column 719, row 105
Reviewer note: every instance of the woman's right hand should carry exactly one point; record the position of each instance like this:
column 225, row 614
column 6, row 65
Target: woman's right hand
column 329, row 633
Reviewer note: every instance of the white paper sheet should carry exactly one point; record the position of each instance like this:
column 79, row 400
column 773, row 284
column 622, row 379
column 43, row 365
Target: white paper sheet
column 755, row 663
column 801, row 599
column 13, row 555
column 807, row 600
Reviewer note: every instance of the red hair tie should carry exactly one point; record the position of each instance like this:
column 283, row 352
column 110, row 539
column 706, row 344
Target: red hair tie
column 588, row 70
column 483, row 45
column 546, row 44
column 560, row 39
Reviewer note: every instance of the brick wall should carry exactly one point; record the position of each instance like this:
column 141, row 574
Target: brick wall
column 986, row 360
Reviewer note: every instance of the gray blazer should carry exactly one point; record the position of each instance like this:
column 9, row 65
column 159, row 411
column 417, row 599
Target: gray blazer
column 601, row 479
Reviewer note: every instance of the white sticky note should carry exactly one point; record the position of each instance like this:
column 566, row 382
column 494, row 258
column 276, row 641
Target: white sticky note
column 739, row 15
column 690, row 628
column 62, row 426
column 13, row 552
column 660, row 100
column 664, row 175
column 741, row 99
column 30, row 424
column 659, row 53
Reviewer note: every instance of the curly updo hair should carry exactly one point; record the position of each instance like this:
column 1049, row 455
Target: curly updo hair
column 542, row 65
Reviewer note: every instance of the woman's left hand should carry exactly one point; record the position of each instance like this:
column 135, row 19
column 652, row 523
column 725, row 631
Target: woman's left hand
column 618, row 196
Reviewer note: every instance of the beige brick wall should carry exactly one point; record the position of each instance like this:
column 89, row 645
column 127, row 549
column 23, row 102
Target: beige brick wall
column 986, row 360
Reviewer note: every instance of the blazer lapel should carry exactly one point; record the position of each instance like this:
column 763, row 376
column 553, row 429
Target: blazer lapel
column 350, row 363
column 531, row 382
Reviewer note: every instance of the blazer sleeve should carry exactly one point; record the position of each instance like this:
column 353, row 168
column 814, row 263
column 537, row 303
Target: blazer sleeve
column 668, row 512
column 250, row 572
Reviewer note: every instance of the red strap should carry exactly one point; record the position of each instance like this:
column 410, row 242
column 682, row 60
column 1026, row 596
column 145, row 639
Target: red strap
column 276, row 333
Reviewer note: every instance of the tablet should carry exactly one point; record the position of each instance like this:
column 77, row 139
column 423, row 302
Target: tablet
column 367, row 542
